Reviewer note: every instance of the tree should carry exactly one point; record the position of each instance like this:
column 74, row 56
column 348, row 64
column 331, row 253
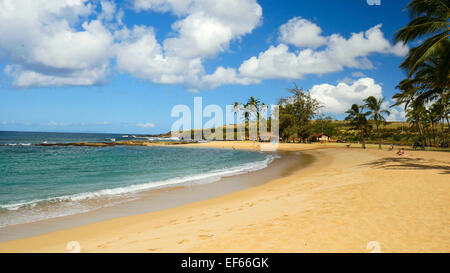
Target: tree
column 427, row 65
column 236, row 108
column 407, row 94
column 429, row 19
column 296, row 112
column 376, row 113
column 324, row 125
column 408, row 97
column 358, row 119
column 416, row 115
column 254, row 106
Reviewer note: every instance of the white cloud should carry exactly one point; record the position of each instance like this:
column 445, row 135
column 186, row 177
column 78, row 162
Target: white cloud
column 358, row 74
column 103, row 123
column 399, row 50
column 52, row 42
column 72, row 42
column 54, row 123
column 142, row 56
column 301, row 33
column 108, row 10
column 204, row 29
column 397, row 112
column 226, row 76
column 145, row 125
column 337, row 99
column 59, row 43
column 278, row 62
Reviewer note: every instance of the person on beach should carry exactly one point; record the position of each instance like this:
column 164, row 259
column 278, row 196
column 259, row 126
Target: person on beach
column 401, row 152
column 391, row 147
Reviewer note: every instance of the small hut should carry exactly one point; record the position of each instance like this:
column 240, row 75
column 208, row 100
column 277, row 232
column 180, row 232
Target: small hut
column 322, row 138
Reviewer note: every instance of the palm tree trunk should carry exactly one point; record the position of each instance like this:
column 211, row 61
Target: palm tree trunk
column 421, row 133
column 435, row 134
column 441, row 122
column 379, row 138
column 257, row 126
column 362, row 139
column 428, row 136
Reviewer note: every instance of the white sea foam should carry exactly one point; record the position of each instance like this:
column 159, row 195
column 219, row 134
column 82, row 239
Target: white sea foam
column 16, row 144
column 158, row 138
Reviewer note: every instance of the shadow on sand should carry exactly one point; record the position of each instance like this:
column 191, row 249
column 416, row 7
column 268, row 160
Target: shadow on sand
column 405, row 163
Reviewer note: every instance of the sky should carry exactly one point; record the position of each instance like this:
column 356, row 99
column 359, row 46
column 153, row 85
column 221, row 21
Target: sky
column 121, row 66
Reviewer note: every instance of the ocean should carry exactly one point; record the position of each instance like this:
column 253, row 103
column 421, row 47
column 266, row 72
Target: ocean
column 42, row 182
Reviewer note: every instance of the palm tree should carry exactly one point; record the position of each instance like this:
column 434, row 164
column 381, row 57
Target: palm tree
column 407, row 94
column 236, row 109
column 358, row 119
column 415, row 114
column 254, row 106
column 408, row 97
column 254, row 103
column 429, row 19
column 376, row 113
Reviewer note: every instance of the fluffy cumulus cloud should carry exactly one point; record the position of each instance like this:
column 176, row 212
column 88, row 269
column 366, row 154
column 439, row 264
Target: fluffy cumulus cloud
column 301, row 33
column 140, row 54
column 225, row 76
column 279, row 62
column 74, row 42
column 51, row 43
column 203, row 30
column 337, row 99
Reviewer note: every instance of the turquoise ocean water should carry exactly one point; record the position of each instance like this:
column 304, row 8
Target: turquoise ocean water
column 39, row 182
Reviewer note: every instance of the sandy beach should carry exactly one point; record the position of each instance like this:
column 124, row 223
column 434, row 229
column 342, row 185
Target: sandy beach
column 345, row 201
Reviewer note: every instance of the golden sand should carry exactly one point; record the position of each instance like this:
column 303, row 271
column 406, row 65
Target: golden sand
column 345, row 201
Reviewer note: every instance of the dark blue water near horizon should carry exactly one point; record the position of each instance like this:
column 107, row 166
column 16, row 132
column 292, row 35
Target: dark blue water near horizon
column 25, row 138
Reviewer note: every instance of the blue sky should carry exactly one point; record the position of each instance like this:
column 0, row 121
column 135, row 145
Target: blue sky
column 120, row 66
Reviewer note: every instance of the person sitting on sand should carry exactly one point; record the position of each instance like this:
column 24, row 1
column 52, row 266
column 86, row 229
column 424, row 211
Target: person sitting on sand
column 391, row 147
column 401, row 152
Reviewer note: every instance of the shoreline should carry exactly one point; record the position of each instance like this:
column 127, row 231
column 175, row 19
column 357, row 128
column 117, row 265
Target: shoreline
column 151, row 200
column 339, row 203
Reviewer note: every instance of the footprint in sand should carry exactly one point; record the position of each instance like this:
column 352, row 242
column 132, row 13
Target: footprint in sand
column 206, row 236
